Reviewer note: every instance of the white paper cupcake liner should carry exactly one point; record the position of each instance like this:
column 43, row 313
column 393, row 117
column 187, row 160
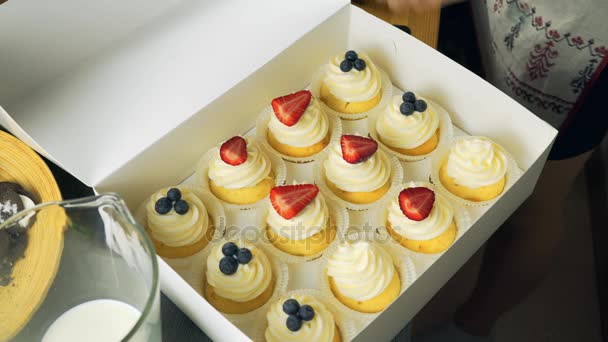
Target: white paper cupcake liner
column 387, row 92
column 216, row 213
column 446, row 131
column 440, row 156
column 202, row 174
column 196, row 279
column 338, row 214
column 344, row 323
column 461, row 217
column 403, row 264
column 335, row 131
column 395, row 179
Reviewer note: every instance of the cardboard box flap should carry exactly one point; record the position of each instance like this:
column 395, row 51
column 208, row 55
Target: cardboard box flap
column 96, row 84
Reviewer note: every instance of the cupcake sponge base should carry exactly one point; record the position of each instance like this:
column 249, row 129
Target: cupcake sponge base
column 297, row 152
column 376, row 304
column 435, row 245
column 229, row 306
column 426, row 148
column 183, row 251
column 347, row 107
column 480, row 194
column 359, row 197
column 247, row 195
column 310, row 246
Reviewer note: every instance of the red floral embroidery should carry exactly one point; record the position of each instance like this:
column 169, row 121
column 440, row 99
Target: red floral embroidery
column 539, row 62
column 602, row 50
column 554, row 34
column 538, row 22
column 578, row 40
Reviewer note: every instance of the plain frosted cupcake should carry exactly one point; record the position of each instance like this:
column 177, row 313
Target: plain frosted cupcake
column 298, row 221
column 239, row 277
column 475, row 169
column 178, row 222
column 351, row 83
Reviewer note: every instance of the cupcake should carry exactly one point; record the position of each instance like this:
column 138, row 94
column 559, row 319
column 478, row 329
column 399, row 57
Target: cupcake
column 239, row 172
column 475, row 169
column 302, row 315
column 421, row 219
column 411, row 126
column 298, row 221
column 355, row 171
column 351, row 84
column 239, row 277
column 178, row 222
column 362, row 276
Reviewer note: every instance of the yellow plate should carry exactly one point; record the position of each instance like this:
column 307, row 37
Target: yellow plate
column 34, row 274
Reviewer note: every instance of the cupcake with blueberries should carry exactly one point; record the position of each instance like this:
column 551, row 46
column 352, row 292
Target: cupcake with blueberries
column 411, row 127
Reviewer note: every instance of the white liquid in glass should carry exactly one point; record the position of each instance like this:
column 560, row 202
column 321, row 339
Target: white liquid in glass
column 102, row 320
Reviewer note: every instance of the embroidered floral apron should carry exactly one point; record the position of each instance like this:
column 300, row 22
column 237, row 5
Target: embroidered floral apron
column 546, row 54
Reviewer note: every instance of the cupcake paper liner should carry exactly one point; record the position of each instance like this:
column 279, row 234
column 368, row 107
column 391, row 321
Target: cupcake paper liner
column 440, row 156
column 202, row 174
column 335, row 131
column 217, row 214
column 461, row 217
column 446, row 131
column 387, row 92
column 196, row 279
column 395, row 179
column 337, row 213
column 404, row 264
column 343, row 321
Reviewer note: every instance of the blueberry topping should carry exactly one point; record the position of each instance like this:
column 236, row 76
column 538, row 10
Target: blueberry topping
column 359, row 64
column 181, row 207
column 420, row 106
column 294, row 323
column 346, row 65
column 230, row 249
column 174, row 194
column 163, row 205
column 407, row 108
column 409, row 97
column 228, row 265
column 307, row 313
column 351, row 55
column 244, row 256
column 291, row 306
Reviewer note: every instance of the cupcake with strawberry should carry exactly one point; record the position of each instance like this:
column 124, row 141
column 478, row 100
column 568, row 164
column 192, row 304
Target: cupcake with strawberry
column 296, row 127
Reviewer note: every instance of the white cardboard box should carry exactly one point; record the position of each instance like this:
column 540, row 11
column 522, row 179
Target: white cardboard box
column 128, row 95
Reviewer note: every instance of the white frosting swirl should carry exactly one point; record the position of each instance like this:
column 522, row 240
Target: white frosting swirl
column 308, row 222
column 309, row 130
column 360, row 270
column 173, row 229
column 475, row 162
column 367, row 176
column 249, row 281
column 248, row 174
column 401, row 131
column 435, row 224
column 355, row 85
column 321, row 328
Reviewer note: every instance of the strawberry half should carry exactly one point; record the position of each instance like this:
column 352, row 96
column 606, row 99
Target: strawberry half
column 289, row 200
column 289, row 108
column 356, row 149
column 234, row 151
column 416, row 203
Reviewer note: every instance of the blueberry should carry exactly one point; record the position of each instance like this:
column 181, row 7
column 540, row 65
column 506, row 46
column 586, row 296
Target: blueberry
column 291, row 306
column 409, row 97
column 163, row 205
column 181, row 207
column 307, row 313
column 351, row 55
column 174, row 194
column 420, row 105
column 294, row 323
column 359, row 64
column 244, row 256
column 407, row 108
column 228, row 265
column 346, row 65
column 230, row 249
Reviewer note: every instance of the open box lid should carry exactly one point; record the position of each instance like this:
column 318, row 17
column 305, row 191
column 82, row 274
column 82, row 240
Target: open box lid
column 92, row 85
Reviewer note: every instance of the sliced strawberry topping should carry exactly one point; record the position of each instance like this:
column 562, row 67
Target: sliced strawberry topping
column 289, row 108
column 356, row 149
column 234, row 151
column 289, row 200
column 416, row 203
